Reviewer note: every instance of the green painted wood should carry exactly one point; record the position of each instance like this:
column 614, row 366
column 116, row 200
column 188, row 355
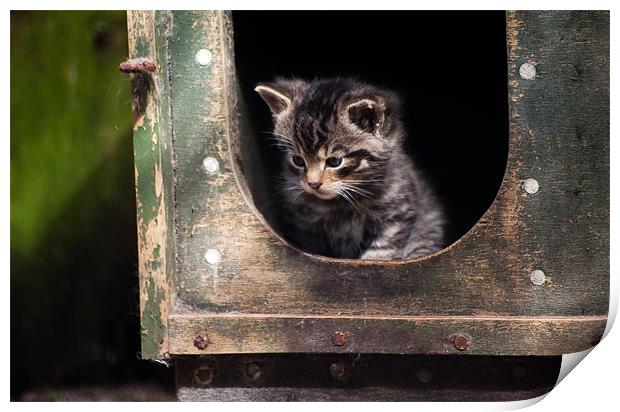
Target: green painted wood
column 153, row 156
column 558, row 135
column 485, row 272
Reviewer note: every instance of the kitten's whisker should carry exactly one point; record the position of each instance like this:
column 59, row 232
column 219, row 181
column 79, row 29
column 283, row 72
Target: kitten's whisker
column 351, row 198
column 346, row 197
column 362, row 192
column 362, row 181
column 285, row 137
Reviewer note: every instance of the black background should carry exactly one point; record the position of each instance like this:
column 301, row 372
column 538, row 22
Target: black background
column 449, row 68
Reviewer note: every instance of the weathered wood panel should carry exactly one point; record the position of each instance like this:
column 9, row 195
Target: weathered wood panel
column 236, row 333
column 561, row 230
column 153, row 154
column 231, row 263
column 364, row 378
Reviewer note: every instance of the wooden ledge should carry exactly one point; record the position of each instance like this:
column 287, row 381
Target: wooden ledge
column 199, row 334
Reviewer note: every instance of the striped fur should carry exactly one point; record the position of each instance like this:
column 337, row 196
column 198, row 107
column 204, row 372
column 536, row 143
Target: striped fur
column 348, row 188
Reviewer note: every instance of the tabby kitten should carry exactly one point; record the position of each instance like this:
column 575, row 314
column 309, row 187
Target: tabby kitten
column 349, row 189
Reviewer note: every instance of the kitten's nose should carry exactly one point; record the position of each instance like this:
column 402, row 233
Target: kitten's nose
column 315, row 185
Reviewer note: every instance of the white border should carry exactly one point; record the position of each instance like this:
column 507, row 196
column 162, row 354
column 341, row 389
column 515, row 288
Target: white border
column 591, row 385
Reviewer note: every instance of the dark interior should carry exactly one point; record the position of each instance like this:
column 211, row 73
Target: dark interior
column 449, row 67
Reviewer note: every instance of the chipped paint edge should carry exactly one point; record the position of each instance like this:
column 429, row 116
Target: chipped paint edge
column 154, row 189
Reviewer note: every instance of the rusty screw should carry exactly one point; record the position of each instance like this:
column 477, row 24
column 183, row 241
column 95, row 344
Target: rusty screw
column 339, row 338
column 138, row 65
column 339, row 371
column 202, row 341
column 203, row 375
column 253, row 371
column 460, row 342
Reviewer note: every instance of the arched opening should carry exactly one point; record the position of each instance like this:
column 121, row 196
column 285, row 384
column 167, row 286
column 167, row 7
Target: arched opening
column 449, row 67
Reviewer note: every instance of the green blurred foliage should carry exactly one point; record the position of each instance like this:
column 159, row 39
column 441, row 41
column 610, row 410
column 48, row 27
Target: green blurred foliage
column 69, row 115
column 74, row 311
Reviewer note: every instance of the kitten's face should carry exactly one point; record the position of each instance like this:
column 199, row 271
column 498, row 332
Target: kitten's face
column 334, row 137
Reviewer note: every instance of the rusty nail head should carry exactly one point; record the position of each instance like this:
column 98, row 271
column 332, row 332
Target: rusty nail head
column 339, row 338
column 138, row 65
column 460, row 342
column 424, row 375
column 203, row 375
column 253, row 371
column 201, row 342
column 338, row 370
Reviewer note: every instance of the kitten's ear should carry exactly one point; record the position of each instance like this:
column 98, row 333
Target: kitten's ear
column 367, row 114
column 277, row 98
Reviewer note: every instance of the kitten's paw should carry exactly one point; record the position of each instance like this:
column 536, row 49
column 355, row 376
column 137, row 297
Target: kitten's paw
column 379, row 254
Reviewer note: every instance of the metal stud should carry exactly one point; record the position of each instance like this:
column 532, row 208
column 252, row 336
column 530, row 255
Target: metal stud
column 527, row 71
column 213, row 257
column 253, row 371
column 203, row 375
column 210, row 165
column 537, row 277
column 531, row 186
column 204, row 57
column 424, row 375
column 339, row 371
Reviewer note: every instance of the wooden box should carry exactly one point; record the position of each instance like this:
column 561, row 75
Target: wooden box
column 530, row 278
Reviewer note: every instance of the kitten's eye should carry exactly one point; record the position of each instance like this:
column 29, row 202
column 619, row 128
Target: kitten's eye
column 334, row 161
column 298, row 161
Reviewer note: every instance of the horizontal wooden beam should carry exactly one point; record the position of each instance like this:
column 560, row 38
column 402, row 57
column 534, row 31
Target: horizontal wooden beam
column 366, row 377
column 194, row 334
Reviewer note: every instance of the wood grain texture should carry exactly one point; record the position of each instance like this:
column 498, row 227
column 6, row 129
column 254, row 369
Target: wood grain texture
column 235, row 333
column 559, row 135
column 153, row 154
column 562, row 230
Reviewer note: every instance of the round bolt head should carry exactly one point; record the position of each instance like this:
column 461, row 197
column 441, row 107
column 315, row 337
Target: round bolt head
column 537, row 277
column 201, row 342
column 424, row 375
column 213, row 257
column 203, row 375
column 527, row 71
column 338, row 371
column 531, row 186
column 210, row 165
column 253, row 371
column 204, row 57
column 339, row 338
column 460, row 342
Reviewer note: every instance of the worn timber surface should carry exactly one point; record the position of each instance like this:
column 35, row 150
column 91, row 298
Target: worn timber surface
column 559, row 136
column 479, row 286
column 153, row 157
